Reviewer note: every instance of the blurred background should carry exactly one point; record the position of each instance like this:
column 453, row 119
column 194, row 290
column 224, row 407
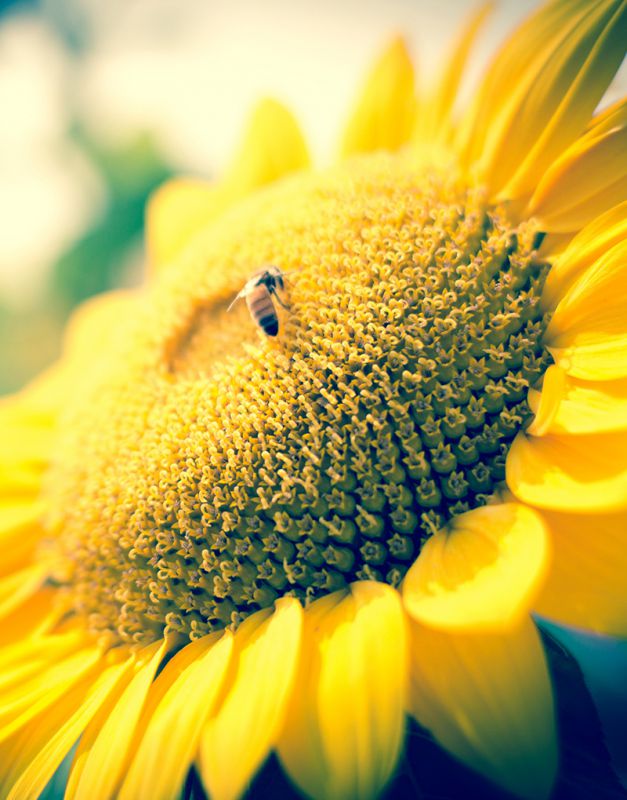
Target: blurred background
column 102, row 101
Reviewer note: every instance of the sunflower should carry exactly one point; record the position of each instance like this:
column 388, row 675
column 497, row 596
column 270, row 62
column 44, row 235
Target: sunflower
column 220, row 544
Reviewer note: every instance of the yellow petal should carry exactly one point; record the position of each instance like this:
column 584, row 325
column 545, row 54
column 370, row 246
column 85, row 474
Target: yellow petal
column 94, row 324
column 481, row 573
column 487, row 699
column 596, row 303
column 590, row 321
column 102, row 754
column 187, row 691
column 584, row 181
column 26, row 695
column 30, row 758
column 344, row 729
column 35, row 616
column 17, row 587
column 23, row 658
column 522, row 52
column 593, row 359
column 436, row 114
column 26, row 442
column 384, row 114
column 20, row 533
column 586, row 585
column 596, row 239
column 586, row 473
column 272, row 146
column 27, row 434
column 559, row 105
column 239, row 735
column 569, row 405
column 175, row 212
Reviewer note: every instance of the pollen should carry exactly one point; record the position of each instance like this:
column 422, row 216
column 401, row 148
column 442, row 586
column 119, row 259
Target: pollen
column 208, row 470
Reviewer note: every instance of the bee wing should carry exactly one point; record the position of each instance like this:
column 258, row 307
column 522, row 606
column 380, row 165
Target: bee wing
column 237, row 297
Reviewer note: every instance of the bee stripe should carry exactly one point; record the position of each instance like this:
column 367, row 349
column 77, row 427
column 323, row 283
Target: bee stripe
column 270, row 325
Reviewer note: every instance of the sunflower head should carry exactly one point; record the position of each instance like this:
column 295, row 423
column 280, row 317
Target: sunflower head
column 225, row 543
column 214, row 470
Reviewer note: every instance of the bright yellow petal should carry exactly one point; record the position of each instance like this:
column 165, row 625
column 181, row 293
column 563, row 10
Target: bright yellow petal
column 27, row 434
column 596, row 239
column 384, row 114
column 585, row 181
column 569, row 405
column 29, row 759
column 586, row 473
column 436, row 114
column 513, row 70
column 561, row 102
column 24, row 658
column 593, row 360
column 94, row 324
column 17, row 587
column 33, row 617
column 272, row 146
column 26, row 442
column 102, row 754
column 596, row 302
column 239, row 735
column 20, row 533
column 487, row 699
column 586, row 585
column 587, row 334
column 344, row 729
column 481, row 573
column 176, row 211
column 25, row 695
column 168, row 740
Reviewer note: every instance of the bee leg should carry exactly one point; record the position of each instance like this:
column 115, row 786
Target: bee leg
column 279, row 301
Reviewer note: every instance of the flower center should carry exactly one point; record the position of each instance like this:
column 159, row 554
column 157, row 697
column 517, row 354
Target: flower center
column 214, row 469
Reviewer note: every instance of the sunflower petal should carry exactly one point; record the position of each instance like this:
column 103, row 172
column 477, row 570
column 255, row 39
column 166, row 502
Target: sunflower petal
column 596, row 239
column 23, row 658
column 593, row 360
column 481, row 573
column 343, row 733
column 272, row 146
column 30, row 758
column 487, row 699
column 588, row 329
column 238, row 736
column 514, row 68
column 102, row 753
column 436, row 116
column 169, row 739
column 558, row 106
column 569, row 405
column 586, row 180
column 176, row 211
column 586, row 473
column 19, row 586
column 34, row 616
column 594, row 302
column 25, row 447
column 20, row 533
column 26, row 695
column 586, row 585
column 384, row 115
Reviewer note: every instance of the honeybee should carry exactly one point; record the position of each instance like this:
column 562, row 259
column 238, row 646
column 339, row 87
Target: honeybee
column 258, row 292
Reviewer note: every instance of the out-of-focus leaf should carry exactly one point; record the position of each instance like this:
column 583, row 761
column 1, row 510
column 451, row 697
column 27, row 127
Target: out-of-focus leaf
column 98, row 260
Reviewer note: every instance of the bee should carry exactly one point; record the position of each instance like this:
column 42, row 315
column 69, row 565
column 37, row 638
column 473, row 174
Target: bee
column 258, row 292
